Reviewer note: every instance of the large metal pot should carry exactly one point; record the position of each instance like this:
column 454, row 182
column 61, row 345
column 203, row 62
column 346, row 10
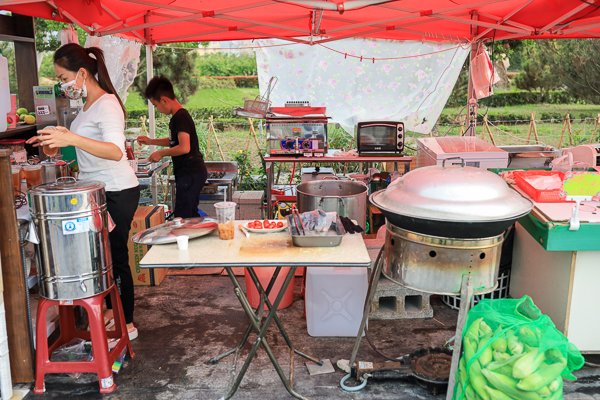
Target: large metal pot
column 71, row 222
column 455, row 202
column 436, row 264
column 52, row 170
column 348, row 199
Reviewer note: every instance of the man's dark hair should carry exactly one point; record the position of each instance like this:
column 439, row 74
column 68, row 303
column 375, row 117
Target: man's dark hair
column 159, row 87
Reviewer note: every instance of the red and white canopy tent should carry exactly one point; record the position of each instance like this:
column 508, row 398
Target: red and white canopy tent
column 319, row 21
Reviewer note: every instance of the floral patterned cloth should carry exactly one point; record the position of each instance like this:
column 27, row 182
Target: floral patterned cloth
column 122, row 58
column 412, row 89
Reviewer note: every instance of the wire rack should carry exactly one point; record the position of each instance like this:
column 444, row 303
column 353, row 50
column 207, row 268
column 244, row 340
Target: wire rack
column 261, row 104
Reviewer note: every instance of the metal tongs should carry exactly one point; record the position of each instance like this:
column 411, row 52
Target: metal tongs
column 296, row 213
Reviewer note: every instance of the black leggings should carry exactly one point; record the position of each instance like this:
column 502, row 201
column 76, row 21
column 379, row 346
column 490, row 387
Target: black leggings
column 121, row 206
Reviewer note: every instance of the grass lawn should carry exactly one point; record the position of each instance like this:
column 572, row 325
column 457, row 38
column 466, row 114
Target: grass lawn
column 202, row 98
column 576, row 110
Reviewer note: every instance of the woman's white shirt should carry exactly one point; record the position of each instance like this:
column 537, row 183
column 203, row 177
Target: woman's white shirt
column 104, row 121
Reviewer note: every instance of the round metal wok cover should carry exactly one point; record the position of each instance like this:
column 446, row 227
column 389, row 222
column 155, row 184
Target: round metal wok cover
column 168, row 232
column 455, row 193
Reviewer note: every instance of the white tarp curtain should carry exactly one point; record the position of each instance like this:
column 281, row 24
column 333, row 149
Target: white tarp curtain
column 122, row 58
column 409, row 81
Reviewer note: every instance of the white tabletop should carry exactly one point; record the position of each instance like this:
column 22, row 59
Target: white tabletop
column 259, row 250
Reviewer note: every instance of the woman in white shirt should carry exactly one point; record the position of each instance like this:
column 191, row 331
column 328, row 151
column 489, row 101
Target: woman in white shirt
column 99, row 139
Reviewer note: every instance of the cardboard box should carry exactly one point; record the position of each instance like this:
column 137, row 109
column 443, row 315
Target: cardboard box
column 250, row 204
column 145, row 217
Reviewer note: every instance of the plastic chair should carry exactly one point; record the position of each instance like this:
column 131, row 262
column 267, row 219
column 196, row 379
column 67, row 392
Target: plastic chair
column 103, row 359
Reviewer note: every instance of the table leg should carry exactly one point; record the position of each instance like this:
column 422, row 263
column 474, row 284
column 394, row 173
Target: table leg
column 270, row 169
column 374, row 281
column 261, row 331
column 276, row 318
column 258, row 315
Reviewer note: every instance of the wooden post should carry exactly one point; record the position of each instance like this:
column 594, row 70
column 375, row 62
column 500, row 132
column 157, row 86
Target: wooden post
column 208, row 140
column 570, row 132
column 17, row 325
column 486, row 127
column 537, row 139
column 211, row 128
column 462, row 126
column 595, row 127
column 530, row 127
column 562, row 133
column 251, row 133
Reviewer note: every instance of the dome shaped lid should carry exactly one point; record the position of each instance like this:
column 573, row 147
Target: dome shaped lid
column 454, row 193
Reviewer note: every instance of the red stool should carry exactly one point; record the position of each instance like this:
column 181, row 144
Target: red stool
column 103, row 359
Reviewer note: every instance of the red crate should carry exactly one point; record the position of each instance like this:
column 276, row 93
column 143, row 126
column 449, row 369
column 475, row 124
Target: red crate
column 539, row 196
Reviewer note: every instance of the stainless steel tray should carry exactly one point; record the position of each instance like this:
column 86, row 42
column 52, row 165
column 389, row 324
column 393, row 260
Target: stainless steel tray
column 331, row 238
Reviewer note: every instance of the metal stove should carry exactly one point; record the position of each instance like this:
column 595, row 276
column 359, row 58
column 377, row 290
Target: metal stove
column 223, row 173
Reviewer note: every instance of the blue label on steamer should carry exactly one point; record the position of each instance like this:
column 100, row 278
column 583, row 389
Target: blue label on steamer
column 73, row 226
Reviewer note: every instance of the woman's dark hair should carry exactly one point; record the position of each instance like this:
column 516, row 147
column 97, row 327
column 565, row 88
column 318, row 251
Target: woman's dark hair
column 72, row 57
column 159, row 87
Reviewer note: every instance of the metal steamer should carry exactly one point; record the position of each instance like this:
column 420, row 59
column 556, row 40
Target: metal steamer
column 71, row 222
column 436, row 264
column 348, row 199
column 444, row 233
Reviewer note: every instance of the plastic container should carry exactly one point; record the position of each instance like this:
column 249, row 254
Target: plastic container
column 538, row 195
column 225, row 217
column 16, row 179
column 335, row 299
column 4, row 92
column 264, row 275
column 32, row 174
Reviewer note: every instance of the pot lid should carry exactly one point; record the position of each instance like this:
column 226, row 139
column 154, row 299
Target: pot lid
column 168, row 232
column 69, row 184
column 454, row 193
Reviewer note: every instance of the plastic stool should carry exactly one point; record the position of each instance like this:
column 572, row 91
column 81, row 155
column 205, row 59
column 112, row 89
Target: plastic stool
column 103, row 359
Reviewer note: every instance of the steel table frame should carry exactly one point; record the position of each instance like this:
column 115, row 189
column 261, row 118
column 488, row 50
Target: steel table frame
column 255, row 316
column 327, row 159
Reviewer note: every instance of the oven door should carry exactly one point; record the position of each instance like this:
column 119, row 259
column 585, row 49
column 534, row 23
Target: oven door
column 380, row 136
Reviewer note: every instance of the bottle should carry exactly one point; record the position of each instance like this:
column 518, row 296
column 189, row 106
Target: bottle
column 129, row 151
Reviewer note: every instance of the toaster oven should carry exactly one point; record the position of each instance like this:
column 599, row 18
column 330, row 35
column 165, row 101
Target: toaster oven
column 379, row 138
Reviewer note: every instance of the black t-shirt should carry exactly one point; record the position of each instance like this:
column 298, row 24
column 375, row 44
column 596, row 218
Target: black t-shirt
column 192, row 162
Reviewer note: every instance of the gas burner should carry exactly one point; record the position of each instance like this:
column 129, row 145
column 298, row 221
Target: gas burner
column 216, row 174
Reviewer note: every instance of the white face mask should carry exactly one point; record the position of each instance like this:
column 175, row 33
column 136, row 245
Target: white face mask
column 73, row 91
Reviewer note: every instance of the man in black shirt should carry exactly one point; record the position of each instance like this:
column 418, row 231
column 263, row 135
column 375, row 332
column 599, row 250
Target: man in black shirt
column 188, row 163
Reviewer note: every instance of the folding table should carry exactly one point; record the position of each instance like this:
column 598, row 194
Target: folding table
column 259, row 250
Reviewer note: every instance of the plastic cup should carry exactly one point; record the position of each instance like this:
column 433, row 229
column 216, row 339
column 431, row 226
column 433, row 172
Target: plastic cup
column 182, row 242
column 225, row 218
column 32, row 175
column 16, row 179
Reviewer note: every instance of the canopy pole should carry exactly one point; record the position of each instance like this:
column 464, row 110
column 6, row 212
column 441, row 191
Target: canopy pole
column 151, row 119
column 472, row 105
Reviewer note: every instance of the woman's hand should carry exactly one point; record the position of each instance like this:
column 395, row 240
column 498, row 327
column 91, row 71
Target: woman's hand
column 53, row 137
column 144, row 140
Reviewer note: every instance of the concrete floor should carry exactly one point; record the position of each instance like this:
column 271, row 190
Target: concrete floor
column 190, row 318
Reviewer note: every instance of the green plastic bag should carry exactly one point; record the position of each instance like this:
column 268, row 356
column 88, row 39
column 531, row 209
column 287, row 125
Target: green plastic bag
column 512, row 351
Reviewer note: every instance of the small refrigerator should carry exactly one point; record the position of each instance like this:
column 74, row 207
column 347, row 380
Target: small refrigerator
column 474, row 151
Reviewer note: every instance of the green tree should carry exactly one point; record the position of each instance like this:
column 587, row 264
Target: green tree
column 576, row 62
column 176, row 62
column 8, row 51
column 537, row 75
column 222, row 64
column 47, row 42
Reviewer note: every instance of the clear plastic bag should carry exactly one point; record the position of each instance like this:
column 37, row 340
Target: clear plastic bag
column 318, row 220
column 564, row 163
column 75, row 350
